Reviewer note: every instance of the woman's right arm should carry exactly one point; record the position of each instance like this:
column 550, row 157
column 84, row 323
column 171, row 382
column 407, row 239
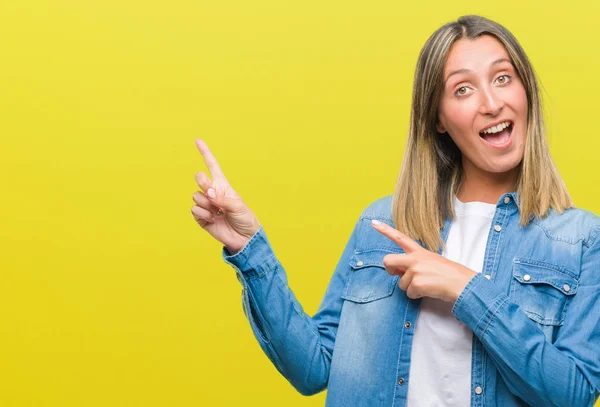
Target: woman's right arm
column 299, row 346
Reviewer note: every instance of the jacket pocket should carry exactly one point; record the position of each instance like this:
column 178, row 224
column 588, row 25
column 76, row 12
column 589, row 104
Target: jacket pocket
column 542, row 290
column 369, row 281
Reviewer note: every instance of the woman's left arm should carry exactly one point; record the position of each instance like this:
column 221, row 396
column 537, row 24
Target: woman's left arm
column 566, row 373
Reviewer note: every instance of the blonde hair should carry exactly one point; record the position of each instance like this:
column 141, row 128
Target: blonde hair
column 420, row 208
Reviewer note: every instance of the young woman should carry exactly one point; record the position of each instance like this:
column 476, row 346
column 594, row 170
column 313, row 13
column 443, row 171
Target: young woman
column 477, row 283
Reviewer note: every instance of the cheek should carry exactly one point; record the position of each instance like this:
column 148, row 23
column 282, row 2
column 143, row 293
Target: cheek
column 519, row 98
column 458, row 119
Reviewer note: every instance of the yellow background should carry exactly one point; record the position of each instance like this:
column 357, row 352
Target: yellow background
column 110, row 294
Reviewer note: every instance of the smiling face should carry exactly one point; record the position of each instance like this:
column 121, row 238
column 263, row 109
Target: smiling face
column 483, row 108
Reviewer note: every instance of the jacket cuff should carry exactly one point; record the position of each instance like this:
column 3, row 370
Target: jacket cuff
column 478, row 303
column 256, row 257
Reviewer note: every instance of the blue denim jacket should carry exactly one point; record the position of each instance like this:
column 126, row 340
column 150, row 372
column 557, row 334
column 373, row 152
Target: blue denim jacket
column 534, row 311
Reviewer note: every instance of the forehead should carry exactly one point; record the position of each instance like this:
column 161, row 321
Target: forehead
column 473, row 54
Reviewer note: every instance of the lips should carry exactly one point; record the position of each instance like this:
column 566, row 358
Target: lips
column 495, row 127
column 501, row 139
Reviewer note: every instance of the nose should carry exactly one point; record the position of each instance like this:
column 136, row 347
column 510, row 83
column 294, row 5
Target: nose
column 490, row 102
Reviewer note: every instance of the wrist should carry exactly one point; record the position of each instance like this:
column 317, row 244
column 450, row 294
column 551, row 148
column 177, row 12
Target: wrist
column 242, row 240
column 464, row 276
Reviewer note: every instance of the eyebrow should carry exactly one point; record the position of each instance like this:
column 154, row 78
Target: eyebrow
column 464, row 70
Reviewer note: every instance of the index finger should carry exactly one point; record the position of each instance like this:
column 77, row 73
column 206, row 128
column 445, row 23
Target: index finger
column 402, row 240
column 209, row 159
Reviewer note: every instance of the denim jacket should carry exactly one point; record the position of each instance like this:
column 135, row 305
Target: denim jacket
column 534, row 311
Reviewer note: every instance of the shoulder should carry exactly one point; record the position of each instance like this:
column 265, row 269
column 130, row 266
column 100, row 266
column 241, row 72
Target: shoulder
column 367, row 238
column 572, row 226
column 380, row 209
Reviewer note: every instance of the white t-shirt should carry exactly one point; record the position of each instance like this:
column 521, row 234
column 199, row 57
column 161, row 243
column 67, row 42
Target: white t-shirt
column 440, row 369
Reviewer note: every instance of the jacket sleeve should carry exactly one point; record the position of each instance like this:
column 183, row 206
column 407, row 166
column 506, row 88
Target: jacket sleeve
column 299, row 346
column 566, row 373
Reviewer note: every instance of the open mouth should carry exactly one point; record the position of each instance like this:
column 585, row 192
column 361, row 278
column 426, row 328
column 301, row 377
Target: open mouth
column 499, row 135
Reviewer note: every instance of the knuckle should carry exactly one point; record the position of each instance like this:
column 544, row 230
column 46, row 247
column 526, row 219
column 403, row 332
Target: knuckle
column 387, row 261
column 413, row 292
column 199, row 199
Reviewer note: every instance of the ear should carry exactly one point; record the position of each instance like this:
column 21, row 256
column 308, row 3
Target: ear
column 440, row 127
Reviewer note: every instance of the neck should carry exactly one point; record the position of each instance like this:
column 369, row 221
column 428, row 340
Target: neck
column 483, row 186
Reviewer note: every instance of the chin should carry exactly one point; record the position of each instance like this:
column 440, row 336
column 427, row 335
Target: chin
column 502, row 168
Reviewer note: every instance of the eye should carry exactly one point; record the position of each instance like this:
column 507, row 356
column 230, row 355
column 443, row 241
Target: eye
column 503, row 79
column 462, row 91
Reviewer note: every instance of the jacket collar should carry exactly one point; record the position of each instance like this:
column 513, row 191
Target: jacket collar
column 502, row 203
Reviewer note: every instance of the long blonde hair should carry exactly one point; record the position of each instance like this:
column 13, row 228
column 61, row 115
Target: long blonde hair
column 431, row 170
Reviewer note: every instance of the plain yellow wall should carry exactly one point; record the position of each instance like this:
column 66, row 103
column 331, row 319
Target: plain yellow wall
column 110, row 294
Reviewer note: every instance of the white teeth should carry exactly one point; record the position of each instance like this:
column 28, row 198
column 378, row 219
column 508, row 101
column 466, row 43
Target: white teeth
column 497, row 128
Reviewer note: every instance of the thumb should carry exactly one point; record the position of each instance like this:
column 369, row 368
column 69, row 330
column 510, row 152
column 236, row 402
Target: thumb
column 224, row 198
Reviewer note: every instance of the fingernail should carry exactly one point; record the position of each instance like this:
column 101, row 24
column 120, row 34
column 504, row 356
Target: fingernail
column 375, row 222
column 211, row 193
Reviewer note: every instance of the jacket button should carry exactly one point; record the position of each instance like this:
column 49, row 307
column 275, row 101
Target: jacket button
column 526, row 277
column 497, row 228
column 506, row 200
column 407, row 324
column 566, row 287
column 478, row 390
column 359, row 263
column 488, row 276
column 401, row 381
